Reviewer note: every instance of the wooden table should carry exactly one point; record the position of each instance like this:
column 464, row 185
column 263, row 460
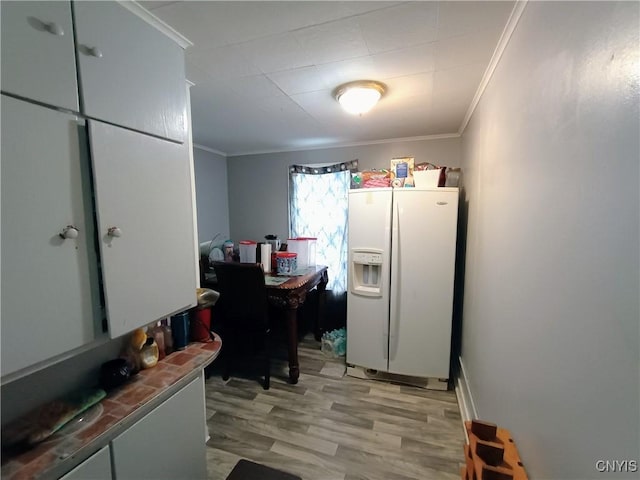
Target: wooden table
column 288, row 296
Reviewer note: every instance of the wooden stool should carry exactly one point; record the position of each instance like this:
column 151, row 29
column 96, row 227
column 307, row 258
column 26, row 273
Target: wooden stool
column 491, row 454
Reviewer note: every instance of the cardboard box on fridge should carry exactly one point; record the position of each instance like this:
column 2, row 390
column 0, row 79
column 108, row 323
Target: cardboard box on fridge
column 402, row 170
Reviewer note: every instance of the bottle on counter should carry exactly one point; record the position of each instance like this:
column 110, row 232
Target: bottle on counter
column 168, row 337
column 149, row 353
column 158, row 334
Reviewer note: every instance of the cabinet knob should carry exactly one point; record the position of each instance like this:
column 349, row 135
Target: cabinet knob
column 114, row 232
column 95, row 52
column 69, row 232
column 54, row 28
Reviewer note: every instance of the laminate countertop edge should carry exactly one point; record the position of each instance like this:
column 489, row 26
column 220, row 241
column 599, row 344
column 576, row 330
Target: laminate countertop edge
column 123, row 407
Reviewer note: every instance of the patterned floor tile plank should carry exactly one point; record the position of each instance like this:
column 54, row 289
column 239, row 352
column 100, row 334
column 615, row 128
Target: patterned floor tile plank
column 331, row 426
column 277, row 432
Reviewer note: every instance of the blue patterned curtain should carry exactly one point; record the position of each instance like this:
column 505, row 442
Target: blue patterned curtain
column 318, row 205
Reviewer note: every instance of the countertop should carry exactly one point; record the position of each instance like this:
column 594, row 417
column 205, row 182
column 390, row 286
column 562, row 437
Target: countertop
column 118, row 411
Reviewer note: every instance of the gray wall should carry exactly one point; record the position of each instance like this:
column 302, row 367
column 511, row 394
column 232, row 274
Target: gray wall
column 551, row 315
column 258, row 184
column 212, row 199
column 78, row 372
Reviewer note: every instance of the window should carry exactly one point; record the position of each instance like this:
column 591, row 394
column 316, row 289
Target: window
column 318, row 204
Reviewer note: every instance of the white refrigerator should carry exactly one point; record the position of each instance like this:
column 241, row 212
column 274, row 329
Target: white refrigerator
column 402, row 248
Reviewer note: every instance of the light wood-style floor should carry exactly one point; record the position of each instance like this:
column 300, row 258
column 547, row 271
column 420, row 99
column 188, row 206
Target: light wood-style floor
column 330, row 426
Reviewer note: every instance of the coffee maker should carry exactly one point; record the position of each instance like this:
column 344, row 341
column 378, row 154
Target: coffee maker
column 274, row 241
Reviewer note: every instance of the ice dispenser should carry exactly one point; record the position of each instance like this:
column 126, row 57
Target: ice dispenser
column 366, row 267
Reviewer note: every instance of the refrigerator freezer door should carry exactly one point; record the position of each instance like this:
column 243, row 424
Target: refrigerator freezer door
column 367, row 315
column 424, row 245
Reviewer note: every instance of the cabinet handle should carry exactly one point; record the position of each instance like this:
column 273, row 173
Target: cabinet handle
column 95, row 52
column 114, row 232
column 54, row 29
column 69, row 232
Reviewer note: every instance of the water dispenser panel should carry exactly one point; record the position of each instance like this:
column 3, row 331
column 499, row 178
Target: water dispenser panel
column 366, row 267
column 367, row 258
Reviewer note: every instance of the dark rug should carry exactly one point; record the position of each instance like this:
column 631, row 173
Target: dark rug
column 246, row 470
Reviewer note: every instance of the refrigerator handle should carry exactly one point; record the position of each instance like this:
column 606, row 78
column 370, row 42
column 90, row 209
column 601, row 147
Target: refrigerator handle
column 385, row 338
column 395, row 260
column 385, row 319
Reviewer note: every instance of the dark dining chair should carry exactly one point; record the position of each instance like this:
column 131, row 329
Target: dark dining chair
column 243, row 307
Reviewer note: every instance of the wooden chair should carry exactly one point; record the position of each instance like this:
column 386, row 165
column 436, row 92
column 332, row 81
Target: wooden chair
column 243, row 309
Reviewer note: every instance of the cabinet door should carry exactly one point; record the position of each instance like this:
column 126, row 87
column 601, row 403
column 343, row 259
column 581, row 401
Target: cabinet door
column 50, row 298
column 130, row 73
column 143, row 190
column 38, row 55
column 166, row 444
column 96, row 467
column 424, row 260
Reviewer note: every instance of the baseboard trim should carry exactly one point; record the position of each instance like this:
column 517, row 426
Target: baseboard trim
column 463, row 393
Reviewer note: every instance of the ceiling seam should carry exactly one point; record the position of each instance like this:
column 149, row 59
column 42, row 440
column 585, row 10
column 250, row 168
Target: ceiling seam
column 441, row 136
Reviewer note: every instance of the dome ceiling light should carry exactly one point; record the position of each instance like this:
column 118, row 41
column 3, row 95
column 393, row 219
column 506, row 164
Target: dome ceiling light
column 360, row 96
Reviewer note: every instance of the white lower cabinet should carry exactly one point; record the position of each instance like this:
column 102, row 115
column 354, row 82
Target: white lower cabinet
column 167, row 443
column 96, row 467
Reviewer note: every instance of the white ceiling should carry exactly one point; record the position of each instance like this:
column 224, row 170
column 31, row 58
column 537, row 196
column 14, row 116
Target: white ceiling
column 264, row 72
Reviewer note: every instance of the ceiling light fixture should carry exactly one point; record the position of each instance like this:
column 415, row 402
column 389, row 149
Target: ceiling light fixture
column 360, row 96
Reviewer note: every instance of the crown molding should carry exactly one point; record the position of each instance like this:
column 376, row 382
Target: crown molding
column 210, row 150
column 151, row 19
column 509, row 28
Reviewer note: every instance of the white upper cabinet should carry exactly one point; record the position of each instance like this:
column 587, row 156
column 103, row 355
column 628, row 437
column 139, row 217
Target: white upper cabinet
column 145, row 225
column 50, row 292
column 131, row 74
column 97, row 213
column 38, row 57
